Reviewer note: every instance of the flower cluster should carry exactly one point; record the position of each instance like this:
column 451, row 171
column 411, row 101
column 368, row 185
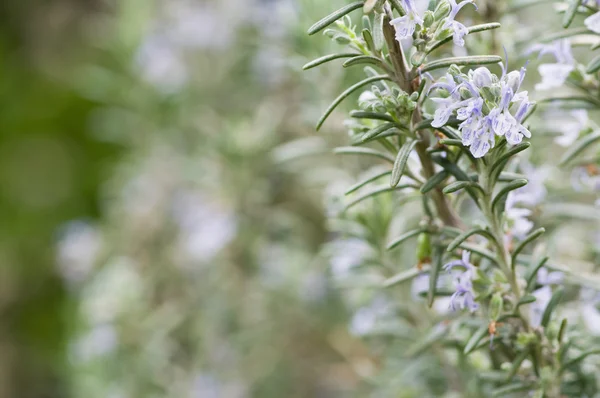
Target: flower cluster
column 486, row 105
column 446, row 12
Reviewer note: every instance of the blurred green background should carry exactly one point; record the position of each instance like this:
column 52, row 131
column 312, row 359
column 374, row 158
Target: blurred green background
column 157, row 239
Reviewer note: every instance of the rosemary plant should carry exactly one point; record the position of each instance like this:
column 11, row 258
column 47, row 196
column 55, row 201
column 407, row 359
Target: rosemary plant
column 450, row 130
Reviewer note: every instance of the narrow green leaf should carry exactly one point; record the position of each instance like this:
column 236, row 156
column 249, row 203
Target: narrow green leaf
column 482, row 252
column 405, row 276
column 579, row 146
column 451, row 142
column 405, row 236
column 505, row 176
column 551, row 306
column 350, row 150
column 450, row 132
column 376, row 131
column 400, row 162
column 472, row 29
column 458, row 185
column 579, row 358
column 391, row 132
column 517, row 364
column 437, row 264
column 346, row 93
column 526, row 300
column 426, row 124
column 562, row 352
column 375, row 192
column 378, row 38
column 508, row 154
column 362, row 59
column 465, row 235
column 528, row 239
column 565, row 33
column 461, row 61
column 327, row 58
column 573, row 102
column 514, row 387
column 396, row 4
column 511, row 186
column 593, row 65
column 475, row 339
column 371, row 115
column 531, row 277
column 361, row 184
column 434, row 181
column 366, row 34
column 562, row 330
column 334, row 16
column 570, row 13
column 492, row 375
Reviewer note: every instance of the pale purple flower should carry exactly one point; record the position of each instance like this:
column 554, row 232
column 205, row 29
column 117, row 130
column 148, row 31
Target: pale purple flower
column 471, row 107
column 405, row 26
column 593, row 22
column 544, row 277
column 589, row 310
column 464, row 296
column 484, row 137
column 535, row 191
column 446, row 107
column 569, row 124
column 517, row 217
column 459, row 30
column 537, row 308
column 503, row 122
column 555, row 74
column 447, row 84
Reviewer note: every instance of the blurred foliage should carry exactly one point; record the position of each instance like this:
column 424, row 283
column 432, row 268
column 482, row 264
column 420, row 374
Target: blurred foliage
column 153, row 242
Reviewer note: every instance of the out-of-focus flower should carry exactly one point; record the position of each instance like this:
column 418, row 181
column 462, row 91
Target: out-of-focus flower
column 78, row 249
column 161, row 64
column 569, row 123
column 537, row 308
column 544, row 277
column 590, row 299
column 517, row 217
column 593, row 22
column 206, row 227
column 535, row 191
column 463, row 297
column 366, row 318
column 555, row 74
column 101, row 340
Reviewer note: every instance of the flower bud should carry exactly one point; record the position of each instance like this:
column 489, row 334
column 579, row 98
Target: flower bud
column 424, row 248
column 481, row 77
column 465, row 93
column 442, row 11
column 490, row 93
column 496, row 305
column 428, row 19
column 454, row 70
